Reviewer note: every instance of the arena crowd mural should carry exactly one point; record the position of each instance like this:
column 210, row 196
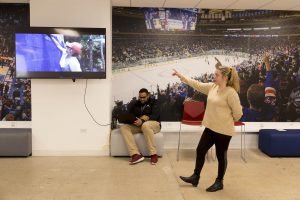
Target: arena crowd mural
column 149, row 42
column 15, row 94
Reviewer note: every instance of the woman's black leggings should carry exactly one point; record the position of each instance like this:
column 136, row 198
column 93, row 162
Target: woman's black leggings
column 208, row 139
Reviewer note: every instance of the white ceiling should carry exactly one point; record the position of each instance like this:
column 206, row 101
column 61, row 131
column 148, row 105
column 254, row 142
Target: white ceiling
column 213, row 4
column 14, row 1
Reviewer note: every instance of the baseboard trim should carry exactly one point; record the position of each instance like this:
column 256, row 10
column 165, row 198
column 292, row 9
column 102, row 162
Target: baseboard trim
column 70, row 153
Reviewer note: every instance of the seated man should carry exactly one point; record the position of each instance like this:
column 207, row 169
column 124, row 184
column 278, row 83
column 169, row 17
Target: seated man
column 147, row 122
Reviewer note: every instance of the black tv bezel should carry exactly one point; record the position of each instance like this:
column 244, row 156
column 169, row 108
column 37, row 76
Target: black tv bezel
column 63, row 75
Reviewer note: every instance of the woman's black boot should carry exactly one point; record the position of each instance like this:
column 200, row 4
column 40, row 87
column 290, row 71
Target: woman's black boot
column 194, row 179
column 218, row 185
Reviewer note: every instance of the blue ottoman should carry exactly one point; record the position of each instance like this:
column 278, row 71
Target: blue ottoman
column 275, row 142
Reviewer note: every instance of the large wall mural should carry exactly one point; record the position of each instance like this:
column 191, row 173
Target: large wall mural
column 149, row 42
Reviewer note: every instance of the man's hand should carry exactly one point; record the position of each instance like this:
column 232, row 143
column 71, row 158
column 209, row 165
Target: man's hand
column 218, row 64
column 266, row 57
column 144, row 117
column 138, row 122
column 266, row 60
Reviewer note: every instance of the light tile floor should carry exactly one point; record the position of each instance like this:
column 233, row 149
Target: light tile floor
column 89, row 178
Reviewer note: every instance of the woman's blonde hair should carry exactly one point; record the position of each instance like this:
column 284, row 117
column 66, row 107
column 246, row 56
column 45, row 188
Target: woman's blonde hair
column 232, row 75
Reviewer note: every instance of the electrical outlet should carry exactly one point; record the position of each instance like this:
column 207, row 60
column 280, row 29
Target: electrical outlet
column 105, row 147
column 13, row 124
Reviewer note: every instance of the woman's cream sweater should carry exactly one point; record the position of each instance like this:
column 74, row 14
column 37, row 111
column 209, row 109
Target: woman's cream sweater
column 223, row 107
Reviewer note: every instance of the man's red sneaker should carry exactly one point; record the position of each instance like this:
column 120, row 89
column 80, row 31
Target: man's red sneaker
column 136, row 158
column 154, row 159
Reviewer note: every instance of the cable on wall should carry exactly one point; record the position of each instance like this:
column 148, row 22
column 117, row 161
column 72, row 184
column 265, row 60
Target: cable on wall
column 84, row 97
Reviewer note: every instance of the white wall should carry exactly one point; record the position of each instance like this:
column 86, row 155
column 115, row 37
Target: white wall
column 60, row 123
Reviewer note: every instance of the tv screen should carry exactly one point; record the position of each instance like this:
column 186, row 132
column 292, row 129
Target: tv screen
column 171, row 19
column 48, row 52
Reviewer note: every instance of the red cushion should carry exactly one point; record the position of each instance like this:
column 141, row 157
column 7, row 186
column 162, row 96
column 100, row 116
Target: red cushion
column 193, row 111
column 191, row 122
column 239, row 124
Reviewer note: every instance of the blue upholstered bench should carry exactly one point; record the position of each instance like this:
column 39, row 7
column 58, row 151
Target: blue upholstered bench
column 279, row 142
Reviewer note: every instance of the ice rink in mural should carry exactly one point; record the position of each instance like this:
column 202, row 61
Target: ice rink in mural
column 168, row 90
column 128, row 81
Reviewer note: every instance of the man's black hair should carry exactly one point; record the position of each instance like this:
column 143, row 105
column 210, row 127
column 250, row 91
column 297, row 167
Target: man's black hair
column 144, row 90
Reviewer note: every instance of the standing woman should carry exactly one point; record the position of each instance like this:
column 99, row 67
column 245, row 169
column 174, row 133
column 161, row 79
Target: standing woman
column 222, row 110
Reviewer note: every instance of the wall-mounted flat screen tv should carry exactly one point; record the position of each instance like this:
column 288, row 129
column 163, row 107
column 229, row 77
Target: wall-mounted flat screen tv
column 49, row 52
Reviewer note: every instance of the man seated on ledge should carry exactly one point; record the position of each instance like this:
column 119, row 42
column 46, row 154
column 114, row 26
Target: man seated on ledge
column 147, row 122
